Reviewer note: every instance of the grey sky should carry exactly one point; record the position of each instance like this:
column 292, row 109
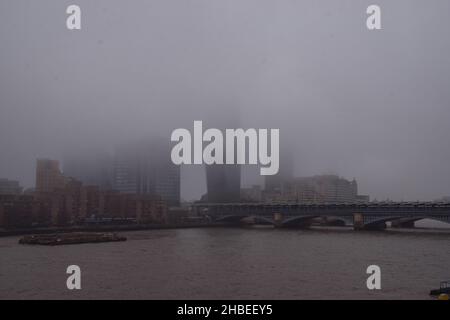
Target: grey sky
column 370, row 105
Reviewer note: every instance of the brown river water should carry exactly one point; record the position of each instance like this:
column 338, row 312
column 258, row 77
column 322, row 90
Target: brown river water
column 232, row 263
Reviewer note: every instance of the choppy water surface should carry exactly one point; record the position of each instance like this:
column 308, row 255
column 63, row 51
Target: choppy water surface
column 231, row 263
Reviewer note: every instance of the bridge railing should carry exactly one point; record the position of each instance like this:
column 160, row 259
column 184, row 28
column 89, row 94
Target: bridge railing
column 390, row 208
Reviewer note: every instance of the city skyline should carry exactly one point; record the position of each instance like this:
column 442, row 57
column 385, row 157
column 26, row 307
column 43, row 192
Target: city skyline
column 108, row 174
column 375, row 111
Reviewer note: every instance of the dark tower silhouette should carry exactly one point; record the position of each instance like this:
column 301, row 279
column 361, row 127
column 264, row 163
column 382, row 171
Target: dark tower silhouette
column 223, row 183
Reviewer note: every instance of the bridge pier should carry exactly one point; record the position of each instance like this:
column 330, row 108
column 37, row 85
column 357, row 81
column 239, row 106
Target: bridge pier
column 278, row 219
column 358, row 221
column 358, row 224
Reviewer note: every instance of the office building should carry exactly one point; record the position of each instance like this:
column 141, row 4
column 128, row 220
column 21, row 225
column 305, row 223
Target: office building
column 48, row 176
column 10, row 187
column 316, row 189
column 223, row 183
column 90, row 166
column 145, row 168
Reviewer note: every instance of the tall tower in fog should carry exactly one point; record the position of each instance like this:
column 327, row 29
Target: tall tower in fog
column 146, row 168
column 92, row 166
column 223, row 182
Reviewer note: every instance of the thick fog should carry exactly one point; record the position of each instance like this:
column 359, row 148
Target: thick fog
column 369, row 105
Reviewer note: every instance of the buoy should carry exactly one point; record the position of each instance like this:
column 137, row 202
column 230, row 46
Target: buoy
column 443, row 296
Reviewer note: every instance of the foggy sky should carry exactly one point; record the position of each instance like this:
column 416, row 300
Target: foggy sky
column 369, row 105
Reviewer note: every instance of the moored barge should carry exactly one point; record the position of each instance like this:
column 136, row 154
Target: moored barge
column 71, row 238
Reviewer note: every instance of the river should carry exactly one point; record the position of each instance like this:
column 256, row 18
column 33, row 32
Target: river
column 232, row 263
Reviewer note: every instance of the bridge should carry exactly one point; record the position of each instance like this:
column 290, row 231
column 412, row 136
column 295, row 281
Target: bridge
column 363, row 216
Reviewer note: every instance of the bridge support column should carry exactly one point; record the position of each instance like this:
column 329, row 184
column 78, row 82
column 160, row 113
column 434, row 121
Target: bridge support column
column 359, row 224
column 278, row 219
column 358, row 221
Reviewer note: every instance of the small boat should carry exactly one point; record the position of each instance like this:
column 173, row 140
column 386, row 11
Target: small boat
column 71, row 238
column 444, row 288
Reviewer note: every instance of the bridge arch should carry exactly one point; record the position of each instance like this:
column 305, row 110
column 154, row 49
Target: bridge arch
column 338, row 220
column 263, row 220
column 232, row 218
column 370, row 223
column 298, row 221
column 410, row 220
column 238, row 218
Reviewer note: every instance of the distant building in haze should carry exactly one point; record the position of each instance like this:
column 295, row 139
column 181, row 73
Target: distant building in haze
column 10, row 187
column 91, row 167
column 285, row 173
column 48, row 176
column 125, row 170
column 223, row 183
column 146, row 168
column 362, row 198
column 251, row 194
column 443, row 199
column 317, row 189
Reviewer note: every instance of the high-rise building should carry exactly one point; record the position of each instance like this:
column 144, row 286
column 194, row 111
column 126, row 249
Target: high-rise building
column 146, row 168
column 90, row 166
column 10, row 187
column 223, row 183
column 17, row 210
column 316, row 189
column 48, row 176
column 335, row 189
column 124, row 170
